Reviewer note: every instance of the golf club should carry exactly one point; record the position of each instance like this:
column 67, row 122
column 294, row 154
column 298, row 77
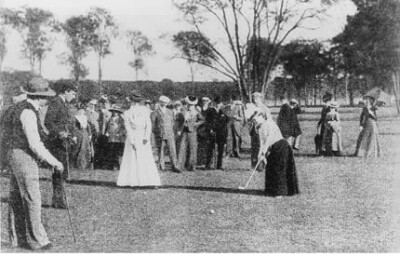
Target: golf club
column 251, row 176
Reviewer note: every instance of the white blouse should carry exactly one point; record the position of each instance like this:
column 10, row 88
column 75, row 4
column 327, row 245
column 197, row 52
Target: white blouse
column 269, row 133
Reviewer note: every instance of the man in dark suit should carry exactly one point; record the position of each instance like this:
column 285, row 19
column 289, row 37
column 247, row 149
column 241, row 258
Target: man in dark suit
column 217, row 122
column 56, row 122
column 163, row 123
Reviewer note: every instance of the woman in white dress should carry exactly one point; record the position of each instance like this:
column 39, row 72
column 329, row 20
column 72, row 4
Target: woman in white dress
column 138, row 167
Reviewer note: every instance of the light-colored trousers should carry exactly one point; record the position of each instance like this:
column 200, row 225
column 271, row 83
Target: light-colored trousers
column 188, row 144
column 170, row 143
column 25, row 202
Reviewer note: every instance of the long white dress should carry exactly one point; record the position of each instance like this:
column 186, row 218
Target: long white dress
column 138, row 167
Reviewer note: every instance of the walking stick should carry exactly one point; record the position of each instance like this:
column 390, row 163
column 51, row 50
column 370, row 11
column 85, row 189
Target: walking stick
column 251, row 176
column 66, row 198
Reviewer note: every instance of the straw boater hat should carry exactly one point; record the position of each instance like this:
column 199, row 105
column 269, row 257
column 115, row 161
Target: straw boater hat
column 115, row 108
column 191, row 100
column 38, row 87
column 205, row 100
column 294, row 101
column 334, row 104
column 177, row 103
column 164, row 99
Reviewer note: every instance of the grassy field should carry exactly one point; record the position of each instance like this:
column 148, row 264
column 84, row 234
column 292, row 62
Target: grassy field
column 346, row 204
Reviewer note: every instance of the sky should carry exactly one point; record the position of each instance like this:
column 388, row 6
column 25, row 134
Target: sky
column 155, row 18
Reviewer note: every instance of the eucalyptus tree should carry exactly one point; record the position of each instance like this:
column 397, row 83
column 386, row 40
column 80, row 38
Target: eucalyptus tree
column 370, row 44
column 78, row 30
column 34, row 26
column 141, row 46
column 105, row 29
column 194, row 48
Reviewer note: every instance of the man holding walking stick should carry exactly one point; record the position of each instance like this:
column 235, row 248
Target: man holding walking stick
column 57, row 121
column 25, row 225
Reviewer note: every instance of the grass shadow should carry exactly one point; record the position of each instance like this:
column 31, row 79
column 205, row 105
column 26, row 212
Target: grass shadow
column 211, row 189
column 217, row 189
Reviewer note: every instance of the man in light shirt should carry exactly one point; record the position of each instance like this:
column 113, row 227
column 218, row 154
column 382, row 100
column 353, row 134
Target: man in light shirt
column 25, row 225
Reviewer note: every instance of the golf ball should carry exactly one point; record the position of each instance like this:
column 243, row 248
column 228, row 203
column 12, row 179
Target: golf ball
column 212, row 211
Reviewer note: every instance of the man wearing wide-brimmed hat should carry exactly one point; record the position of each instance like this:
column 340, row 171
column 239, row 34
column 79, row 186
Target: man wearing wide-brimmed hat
column 163, row 129
column 57, row 123
column 25, row 225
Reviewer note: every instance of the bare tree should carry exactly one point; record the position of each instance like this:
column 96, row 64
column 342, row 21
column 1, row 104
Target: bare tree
column 243, row 20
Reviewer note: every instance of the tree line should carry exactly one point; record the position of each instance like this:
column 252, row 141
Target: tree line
column 251, row 46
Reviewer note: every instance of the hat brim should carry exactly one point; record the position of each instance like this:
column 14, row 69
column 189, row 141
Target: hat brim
column 48, row 93
column 189, row 102
column 115, row 110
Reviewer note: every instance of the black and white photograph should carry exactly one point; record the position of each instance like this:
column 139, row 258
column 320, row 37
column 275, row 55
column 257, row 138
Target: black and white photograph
column 200, row 127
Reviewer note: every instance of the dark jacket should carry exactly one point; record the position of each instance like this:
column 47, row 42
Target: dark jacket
column 287, row 121
column 56, row 120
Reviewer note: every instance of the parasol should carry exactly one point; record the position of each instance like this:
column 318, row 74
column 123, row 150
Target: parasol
column 379, row 95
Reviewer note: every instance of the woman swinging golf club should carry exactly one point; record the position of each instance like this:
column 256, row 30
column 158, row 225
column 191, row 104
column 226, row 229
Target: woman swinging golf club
column 276, row 153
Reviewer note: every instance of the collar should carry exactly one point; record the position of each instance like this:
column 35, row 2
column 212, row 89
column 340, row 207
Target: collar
column 34, row 103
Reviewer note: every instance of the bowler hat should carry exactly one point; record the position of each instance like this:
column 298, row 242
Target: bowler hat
column 218, row 99
column 38, row 87
column 135, row 97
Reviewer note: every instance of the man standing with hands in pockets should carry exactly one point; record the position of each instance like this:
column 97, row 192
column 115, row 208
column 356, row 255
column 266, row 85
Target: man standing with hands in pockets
column 25, row 225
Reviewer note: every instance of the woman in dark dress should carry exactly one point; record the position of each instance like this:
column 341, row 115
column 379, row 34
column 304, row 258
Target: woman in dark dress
column 368, row 140
column 327, row 98
column 275, row 151
column 289, row 124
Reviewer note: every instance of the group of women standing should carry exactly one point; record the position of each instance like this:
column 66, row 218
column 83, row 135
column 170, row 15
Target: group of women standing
column 329, row 140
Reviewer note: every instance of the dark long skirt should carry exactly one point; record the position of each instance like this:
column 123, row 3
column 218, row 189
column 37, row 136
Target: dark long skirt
column 280, row 172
